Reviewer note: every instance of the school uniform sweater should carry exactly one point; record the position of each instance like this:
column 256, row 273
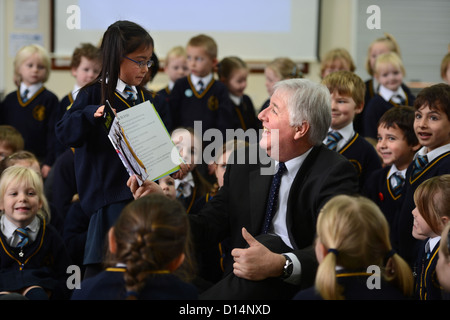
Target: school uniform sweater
column 362, row 155
column 245, row 116
column 377, row 107
column 212, row 107
column 44, row 263
column 110, row 285
column 405, row 244
column 378, row 189
column 35, row 120
column 426, row 282
column 100, row 175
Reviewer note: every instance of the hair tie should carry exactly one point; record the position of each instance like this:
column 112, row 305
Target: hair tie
column 335, row 251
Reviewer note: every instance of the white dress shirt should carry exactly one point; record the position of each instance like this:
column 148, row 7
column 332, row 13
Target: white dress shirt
column 8, row 229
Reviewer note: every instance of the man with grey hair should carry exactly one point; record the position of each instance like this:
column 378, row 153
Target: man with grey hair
column 271, row 227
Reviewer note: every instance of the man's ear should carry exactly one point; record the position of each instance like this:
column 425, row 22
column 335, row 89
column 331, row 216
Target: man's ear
column 301, row 131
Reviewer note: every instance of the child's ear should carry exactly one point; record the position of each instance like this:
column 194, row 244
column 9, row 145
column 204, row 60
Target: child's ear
column 112, row 241
column 73, row 70
column 176, row 263
column 359, row 108
column 416, row 147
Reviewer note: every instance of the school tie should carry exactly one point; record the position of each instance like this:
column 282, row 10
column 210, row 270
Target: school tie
column 25, row 95
column 332, row 140
column 398, row 99
column 419, row 164
column 23, row 237
column 273, row 196
column 396, row 181
column 201, row 87
column 427, row 250
column 131, row 95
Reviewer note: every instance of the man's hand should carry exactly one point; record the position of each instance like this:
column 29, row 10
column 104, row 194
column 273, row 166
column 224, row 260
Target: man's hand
column 256, row 262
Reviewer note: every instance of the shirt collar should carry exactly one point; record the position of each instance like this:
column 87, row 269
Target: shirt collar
column 121, row 87
column 433, row 154
column 388, row 94
column 236, row 100
column 207, row 79
column 31, row 89
column 8, row 228
column 293, row 165
column 394, row 170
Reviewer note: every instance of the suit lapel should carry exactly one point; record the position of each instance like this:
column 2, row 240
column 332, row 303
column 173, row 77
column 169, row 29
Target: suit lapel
column 259, row 186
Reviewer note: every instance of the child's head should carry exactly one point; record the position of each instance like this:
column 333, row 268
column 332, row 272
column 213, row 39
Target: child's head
column 22, row 158
column 396, row 140
column 11, row 140
column 175, row 65
column 167, row 184
column 233, row 72
column 150, row 236
column 347, row 97
column 432, row 118
column 445, row 68
column 189, row 145
column 31, row 65
column 201, row 54
column 443, row 263
column 379, row 46
column 280, row 69
column 22, row 196
column 336, row 60
column 86, row 64
column 389, row 70
column 220, row 164
column 127, row 49
column 432, row 199
column 353, row 233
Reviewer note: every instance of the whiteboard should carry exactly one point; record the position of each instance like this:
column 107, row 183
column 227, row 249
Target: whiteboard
column 255, row 30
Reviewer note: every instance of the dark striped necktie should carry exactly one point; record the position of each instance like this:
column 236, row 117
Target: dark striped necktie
column 397, row 181
column 201, row 87
column 22, row 233
column 419, row 164
column 273, row 197
column 131, row 95
column 25, row 95
column 332, row 140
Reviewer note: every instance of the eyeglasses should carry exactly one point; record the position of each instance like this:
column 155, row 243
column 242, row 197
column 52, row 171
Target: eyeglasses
column 141, row 64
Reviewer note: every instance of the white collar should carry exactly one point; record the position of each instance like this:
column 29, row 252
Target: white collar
column 75, row 91
column 236, row 100
column 121, row 87
column 207, row 79
column 433, row 241
column 434, row 153
column 31, row 89
column 394, row 170
column 346, row 132
column 293, row 165
column 388, row 94
column 8, row 228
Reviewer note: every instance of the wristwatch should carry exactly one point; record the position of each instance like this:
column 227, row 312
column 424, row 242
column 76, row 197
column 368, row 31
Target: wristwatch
column 288, row 267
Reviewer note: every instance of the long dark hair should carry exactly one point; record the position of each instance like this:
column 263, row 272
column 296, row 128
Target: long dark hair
column 120, row 39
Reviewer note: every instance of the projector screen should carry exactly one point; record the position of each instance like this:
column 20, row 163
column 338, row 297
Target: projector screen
column 255, row 30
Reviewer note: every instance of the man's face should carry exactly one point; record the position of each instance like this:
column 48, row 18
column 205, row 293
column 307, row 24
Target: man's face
column 278, row 134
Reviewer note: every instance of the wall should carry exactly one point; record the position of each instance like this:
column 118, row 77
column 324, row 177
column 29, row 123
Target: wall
column 335, row 30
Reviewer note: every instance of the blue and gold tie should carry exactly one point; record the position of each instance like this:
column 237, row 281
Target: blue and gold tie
column 25, row 95
column 131, row 95
column 201, row 87
column 23, row 237
column 419, row 164
column 332, row 140
column 396, row 181
column 273, row 197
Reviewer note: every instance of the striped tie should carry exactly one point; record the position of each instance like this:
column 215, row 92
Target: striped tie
column 333, row 138
column 397, row 181
column 273, row 196
column 201, row 87
column 419, row 164
column 23, row 237
column 25, row 95
column 131, row 94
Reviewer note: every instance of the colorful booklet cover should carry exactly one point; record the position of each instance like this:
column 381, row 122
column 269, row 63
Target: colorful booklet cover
column 142, row 142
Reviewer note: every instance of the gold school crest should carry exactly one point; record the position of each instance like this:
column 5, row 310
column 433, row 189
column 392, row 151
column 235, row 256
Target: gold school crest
column 213, row 103
column 39, row 113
